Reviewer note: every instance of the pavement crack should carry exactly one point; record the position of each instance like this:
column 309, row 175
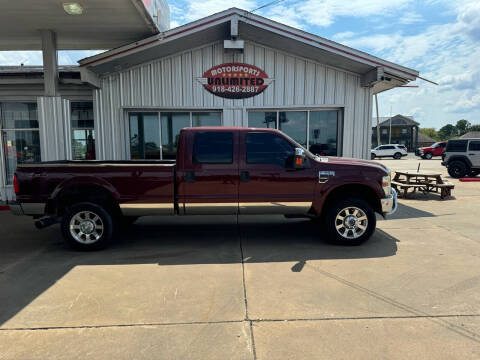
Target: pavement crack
column 245, row 298
column 438, row 320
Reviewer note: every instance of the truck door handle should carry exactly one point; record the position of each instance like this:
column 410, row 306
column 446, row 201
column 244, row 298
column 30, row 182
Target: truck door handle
column 190, row 176
column 244, row 176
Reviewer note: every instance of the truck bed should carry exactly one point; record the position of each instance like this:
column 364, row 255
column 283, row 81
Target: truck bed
column 130, row 182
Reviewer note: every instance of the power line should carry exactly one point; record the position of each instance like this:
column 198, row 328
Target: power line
column 267, row 4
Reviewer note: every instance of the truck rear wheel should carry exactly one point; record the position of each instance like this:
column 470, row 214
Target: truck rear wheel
column 350, row 221
column 87, row 226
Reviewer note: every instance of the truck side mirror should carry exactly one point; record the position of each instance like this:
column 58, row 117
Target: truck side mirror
column 299, row 159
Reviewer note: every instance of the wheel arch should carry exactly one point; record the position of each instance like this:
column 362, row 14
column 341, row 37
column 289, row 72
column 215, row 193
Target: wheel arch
column 463, row 158
column 85, row 189
column 357, row 190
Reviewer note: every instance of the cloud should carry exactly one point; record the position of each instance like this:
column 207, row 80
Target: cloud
column 17, row 58
column 191, row 10
column 324, row 12
column 411, row 18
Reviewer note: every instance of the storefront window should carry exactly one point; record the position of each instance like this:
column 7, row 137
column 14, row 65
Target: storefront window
column 260, row 119
column 172, row 123
column 294, row 124
column 83, row 133
column 323, row 132
column 144, row 136
column 322, row 127
column 149, row 133
column 20, row 136
column 206, row 119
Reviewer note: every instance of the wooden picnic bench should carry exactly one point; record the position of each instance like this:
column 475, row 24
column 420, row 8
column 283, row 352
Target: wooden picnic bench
column 423, row 181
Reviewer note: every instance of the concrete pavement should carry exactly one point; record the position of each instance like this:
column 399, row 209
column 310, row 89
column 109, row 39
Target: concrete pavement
column 262, row 288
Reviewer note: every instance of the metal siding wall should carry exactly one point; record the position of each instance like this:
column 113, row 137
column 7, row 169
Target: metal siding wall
column 310, row 83
column 67, row 125
column 349, row 116
column 52, row 129
column 171, row 83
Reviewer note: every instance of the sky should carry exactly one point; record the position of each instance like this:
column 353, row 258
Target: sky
column 439, row 38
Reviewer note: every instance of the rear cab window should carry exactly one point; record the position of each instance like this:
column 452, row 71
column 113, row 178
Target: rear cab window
column 213, row 147
column 457, row 146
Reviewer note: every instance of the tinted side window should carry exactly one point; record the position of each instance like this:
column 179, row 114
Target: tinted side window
column 213, row 147
column 265, row 148
column 474, row 146
column 386, row 147
column 457, row 146
column 442, row 145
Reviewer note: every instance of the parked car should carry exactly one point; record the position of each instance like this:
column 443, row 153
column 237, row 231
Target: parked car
column 462, row 157
column 219, row 170
column 390, row 150
column 428, row 152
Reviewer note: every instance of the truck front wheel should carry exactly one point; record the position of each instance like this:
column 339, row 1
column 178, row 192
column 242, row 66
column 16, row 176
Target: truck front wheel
column 350, row 221
column 87, row 226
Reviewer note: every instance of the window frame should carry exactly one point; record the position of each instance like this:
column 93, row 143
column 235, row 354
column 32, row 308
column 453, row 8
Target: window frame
column 340, row 123
column 196, row 162
column 72, row 128
column 470, row 144
column 247, row 133
column 130, row 112
column 4, row 179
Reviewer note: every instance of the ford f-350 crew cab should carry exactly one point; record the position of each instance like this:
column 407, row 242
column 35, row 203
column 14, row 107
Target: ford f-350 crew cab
column 219, row 170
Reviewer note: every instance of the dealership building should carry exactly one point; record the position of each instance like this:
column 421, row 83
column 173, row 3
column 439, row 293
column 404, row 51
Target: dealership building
column 233, row 68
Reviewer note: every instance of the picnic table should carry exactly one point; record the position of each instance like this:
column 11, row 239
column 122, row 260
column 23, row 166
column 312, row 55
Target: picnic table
column 425, row 181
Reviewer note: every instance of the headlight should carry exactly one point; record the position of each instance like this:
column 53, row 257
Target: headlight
column 387, row 185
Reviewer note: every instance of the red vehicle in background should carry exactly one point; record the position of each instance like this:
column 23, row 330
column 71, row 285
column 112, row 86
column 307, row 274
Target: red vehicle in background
column 429, row 152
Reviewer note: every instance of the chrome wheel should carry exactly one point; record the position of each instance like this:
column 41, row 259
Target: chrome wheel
column 351, row 222
column 86, row 227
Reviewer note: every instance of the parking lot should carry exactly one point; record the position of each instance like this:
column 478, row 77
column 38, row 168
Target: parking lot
column 254, row 288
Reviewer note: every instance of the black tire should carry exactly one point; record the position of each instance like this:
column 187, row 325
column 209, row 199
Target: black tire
column 457, row 169
column 331, row 221
column 428, row 156
column 373, row 156
column 81, row 242
column 397, row 156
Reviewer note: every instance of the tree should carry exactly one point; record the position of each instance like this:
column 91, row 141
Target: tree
column 463, row 126
column 474, row 128
column 430, row 132
column 447, row 132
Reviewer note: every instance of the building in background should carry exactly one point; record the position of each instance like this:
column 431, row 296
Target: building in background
column 398, row 129
column 471, row 135
column 425, row 140
column 233, row 68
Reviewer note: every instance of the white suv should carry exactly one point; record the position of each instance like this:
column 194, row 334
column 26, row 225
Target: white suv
column 390, row 150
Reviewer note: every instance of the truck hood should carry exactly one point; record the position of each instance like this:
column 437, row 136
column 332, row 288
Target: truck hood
column 351, row 161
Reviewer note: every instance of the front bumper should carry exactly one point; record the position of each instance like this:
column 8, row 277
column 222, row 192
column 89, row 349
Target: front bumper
column 389, row 203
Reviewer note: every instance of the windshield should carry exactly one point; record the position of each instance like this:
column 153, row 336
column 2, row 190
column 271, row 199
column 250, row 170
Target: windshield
column 435, row 145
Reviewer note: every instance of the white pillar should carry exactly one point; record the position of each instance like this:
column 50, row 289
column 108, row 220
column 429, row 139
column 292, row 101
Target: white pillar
column 50, row 62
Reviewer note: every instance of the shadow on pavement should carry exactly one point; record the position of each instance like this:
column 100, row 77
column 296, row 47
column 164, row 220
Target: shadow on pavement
column 200, row 240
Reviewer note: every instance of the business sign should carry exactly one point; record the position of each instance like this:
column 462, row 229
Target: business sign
column 235, row 80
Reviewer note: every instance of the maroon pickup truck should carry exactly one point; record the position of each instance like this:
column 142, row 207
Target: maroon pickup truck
column 219, row 170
